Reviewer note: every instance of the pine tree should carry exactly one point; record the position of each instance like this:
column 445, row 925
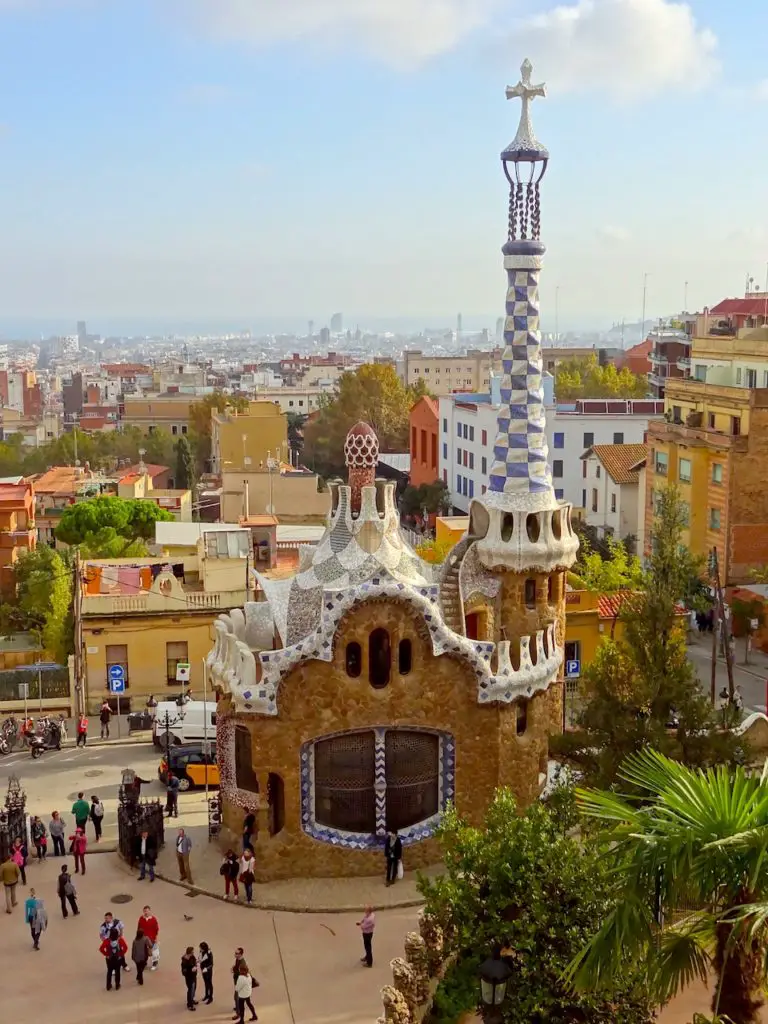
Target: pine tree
column 642, row 690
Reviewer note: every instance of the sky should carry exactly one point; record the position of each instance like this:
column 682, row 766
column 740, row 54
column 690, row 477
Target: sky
column 240, row 162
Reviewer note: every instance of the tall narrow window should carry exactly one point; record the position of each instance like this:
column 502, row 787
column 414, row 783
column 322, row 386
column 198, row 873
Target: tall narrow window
column 521, row 709
column 117, row 654
column 379, row 659
column 404, row 655
column 530, row 593
column 354, row 659
column 276, row 798
column 175, row 652
column 245, row 776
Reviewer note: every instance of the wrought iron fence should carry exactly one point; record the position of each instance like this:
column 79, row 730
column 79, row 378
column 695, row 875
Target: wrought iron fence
column 134, row 817
column 12, row 817
column 55, row 682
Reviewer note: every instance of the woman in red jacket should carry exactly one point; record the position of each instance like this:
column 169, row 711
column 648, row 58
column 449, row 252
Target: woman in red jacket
column 113, row 950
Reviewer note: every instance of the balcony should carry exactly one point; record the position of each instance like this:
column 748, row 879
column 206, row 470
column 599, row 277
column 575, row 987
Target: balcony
column 657, row 359
column 684, row 364
column 152, row 603
column 656, row 380
column 695, row 436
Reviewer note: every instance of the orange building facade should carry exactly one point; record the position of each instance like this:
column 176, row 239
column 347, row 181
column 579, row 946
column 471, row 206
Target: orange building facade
column 17, row 527
column 424, row 422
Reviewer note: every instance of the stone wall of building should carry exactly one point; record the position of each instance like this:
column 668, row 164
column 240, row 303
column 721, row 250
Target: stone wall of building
column 319, row 698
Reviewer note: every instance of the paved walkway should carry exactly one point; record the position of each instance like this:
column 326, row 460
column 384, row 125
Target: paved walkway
column 308, row 966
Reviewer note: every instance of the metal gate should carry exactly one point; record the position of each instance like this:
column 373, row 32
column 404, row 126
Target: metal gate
column 413, row 777
column 134, row 817
column 12, row 817
column 345, row 795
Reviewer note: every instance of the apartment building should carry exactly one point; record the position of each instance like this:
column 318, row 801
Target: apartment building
column 446, row 375
column 670, row 355
column 152, row 412
column 17, row 526
column 297, row 400
column 244, row 441
column 713, row 441
column 612, row 474
column 468, row 431
column 424, row 425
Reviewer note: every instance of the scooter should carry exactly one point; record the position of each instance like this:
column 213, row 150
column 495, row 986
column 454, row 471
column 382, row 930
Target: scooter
column 37, row 746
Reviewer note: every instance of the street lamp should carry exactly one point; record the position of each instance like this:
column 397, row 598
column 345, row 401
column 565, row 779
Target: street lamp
column 272, row 465
column 494, row 975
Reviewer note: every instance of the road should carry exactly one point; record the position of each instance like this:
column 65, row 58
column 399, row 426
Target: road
column 53, row 781
column 751, row 679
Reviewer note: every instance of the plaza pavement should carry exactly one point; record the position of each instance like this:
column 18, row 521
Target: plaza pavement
column 308, row 965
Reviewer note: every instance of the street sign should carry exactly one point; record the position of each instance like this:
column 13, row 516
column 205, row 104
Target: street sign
column 572, row 669
column 182, row 671
column 116, row 679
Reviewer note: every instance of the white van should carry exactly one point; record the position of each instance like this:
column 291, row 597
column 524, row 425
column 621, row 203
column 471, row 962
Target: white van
column 186, row 722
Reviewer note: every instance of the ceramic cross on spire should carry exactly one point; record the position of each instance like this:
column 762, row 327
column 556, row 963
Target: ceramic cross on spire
column 525, row 141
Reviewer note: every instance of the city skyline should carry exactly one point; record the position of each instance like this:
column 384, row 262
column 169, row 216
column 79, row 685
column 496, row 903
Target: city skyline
column 229, row 163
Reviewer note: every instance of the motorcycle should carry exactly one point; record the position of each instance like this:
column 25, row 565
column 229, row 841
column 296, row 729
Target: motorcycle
column 37, row 746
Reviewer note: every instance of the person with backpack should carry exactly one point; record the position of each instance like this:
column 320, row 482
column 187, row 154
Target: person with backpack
column 67, row 892
column 113, row 949
column 97, row 816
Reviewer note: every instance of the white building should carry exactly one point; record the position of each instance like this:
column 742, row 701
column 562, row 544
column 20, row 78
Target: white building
column 467, row 431
column 615, row 504
column 300, row 400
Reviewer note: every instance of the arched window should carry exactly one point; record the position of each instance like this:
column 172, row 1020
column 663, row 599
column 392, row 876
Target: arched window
column 245, row 776
column 379, row 659
column 354, row 659
column 413, row 770
column 404, row 655
column 530, row 593
column 345, row 792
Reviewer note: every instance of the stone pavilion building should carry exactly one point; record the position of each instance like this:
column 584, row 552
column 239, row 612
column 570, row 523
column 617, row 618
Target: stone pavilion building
column 372, row 690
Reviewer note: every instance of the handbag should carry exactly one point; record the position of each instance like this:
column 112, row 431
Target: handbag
column 223, row 870
column 400, row 871
column 247, row 878
column 254, row 983
column 69, row 889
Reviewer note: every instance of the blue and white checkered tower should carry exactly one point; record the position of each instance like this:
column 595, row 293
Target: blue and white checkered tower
column 520, row 500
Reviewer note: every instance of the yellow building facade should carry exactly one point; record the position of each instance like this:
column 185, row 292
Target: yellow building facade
column 149, row 614
column 159, row 412
column 713, row 446
column 244, row 441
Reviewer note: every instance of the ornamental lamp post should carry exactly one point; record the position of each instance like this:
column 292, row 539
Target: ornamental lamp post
column 494, row 975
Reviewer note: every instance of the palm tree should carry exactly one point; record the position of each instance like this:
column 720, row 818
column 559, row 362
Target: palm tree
column 690, row 856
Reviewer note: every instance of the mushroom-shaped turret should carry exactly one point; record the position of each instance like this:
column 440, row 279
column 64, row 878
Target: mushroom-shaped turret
column 361, row 454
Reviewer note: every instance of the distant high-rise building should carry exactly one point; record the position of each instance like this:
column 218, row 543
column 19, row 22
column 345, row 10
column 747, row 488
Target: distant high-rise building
column 500, row 328
column 337, row 323
column 82, row 332
column 325, row 336
column 311, row 328
column 459, row 326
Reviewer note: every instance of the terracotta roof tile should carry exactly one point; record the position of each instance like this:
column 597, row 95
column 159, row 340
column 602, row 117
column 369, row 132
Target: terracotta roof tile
column 620, row 460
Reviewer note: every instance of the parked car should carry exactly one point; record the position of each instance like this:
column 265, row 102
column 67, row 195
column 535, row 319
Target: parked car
column 189, row 763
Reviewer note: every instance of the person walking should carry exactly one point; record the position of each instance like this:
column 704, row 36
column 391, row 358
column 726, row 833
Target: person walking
column 67, row 892
column 105, row 713
column 146, row 855
column 78, row 846
column 230, row 870
column 172, row 796
column 367, row 925
column 10, row 874
column 141, row 951
column 393, row 851
column 247, row 864
column 183, row 848
column 113, row 949
column 82, row 730
column 81, row 809
column 36, row 917
column 97, row 816
column 39, row 837
column 19, row 855
column 150, row 926
column 244, row 985
column 239, row 962
column 56, row 830
column 249, row 827
column 206, row 971
column 189, row 973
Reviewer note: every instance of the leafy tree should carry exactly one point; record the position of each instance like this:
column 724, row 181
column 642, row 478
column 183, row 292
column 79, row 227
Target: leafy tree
column 295, row 424
column 433, row 497
column 748, row 617
column 609, row 576
column 584, row 377
column 434, row 551
column 691, row 841
column 524, row 883
column 44, row 600
column 642, row 690
column 108, row 543
column 200, row 423
column 185, row 465
column 132, row 519
column 373, row 393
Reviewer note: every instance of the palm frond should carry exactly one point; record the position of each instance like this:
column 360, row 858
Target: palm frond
column 684, row 955
column 626, row 931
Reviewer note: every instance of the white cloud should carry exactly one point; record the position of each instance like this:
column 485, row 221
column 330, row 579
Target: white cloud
column 398, row 31
column 760, row 90
column 614, row 233
column 632, row 48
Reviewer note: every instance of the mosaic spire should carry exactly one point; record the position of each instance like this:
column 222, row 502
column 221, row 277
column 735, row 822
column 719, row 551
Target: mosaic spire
column 520, row 476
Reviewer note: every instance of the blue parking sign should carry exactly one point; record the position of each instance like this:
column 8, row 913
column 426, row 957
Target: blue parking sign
column 116, row 679
column 572, row 669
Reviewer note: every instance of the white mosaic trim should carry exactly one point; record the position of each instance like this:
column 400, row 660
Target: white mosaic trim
column 237, row 672
column 521, row 262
